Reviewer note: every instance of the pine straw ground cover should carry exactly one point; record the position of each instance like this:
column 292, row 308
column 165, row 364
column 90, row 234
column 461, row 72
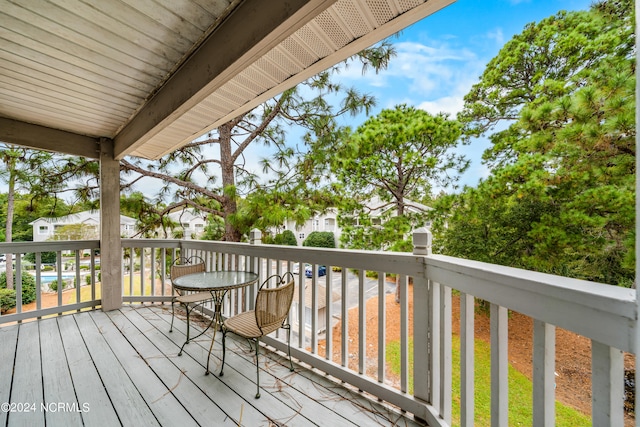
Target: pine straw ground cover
column 573, row 359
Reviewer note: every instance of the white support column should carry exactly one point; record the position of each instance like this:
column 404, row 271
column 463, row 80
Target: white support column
column 421, row 311
column 110, row 244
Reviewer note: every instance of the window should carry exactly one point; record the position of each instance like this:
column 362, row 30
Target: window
column 43, row 229
column 301, row 235
column 316, row 224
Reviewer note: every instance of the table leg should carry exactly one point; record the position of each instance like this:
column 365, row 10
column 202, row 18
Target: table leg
column 218, row 298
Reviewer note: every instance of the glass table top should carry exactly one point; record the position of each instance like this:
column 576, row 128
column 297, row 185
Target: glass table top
column 215, row 280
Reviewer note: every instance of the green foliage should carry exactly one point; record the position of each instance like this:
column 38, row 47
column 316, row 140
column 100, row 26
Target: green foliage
column 7, row 300
column 400, row 154
column 320, row 239
column 561, row 194
column 210, row 174
column 45, row 257
column 54, row 285
column 28, row 285
column 286, row 238
column 393, row 159
column 520, row 388
column 28, row 208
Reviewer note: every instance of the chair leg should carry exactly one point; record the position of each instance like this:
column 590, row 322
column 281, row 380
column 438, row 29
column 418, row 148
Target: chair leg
column 289, row 347
column 172, row 314
column 186, row 306
column 258, row 368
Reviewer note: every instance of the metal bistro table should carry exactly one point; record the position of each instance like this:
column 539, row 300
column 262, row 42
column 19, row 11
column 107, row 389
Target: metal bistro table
column 218, row 283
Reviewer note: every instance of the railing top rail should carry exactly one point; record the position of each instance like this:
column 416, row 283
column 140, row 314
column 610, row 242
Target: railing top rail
column 605, row 313
column 390, row 262
column 48, row 246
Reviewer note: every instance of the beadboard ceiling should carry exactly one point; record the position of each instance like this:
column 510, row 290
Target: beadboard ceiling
column 152, row 75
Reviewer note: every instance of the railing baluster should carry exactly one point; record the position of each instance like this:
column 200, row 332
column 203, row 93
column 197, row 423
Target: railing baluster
column 362, row 324
column 445, row 354
column 544, row 358
column 59, row 278
column 328, row 330
column 382, row 329
column 345, row 320
column 153, row 272
column 499, row 366
column 38, row 281
column 314, row 308
column 404, row 333
column 302, row 325
column 78, row 283
column 18, row 283
column 467, row 376
column 607, row 369
column 435, row 332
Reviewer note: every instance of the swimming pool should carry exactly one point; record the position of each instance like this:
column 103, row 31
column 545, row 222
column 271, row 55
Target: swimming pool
column 48, row 278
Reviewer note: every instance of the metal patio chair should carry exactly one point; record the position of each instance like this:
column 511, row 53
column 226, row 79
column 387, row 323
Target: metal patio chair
column 181, row 267
column 270, row 313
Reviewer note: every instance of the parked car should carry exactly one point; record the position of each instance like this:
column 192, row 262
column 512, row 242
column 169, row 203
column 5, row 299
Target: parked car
column 322, row 270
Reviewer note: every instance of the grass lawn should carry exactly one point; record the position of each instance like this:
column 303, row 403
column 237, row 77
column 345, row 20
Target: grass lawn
column 520, row 389
column 85, row 291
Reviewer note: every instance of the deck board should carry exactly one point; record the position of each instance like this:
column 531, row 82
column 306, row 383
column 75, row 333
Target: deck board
column 8, row 338
column 86, row 379
column 26, row 389
column 56, row 379
column 123, row 366
column 130, row 406
column 137, row 357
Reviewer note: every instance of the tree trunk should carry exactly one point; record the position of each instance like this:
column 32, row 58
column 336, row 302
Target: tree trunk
column 229, row 205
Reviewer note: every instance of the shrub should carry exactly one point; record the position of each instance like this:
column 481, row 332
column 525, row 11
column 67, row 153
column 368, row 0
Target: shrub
column 54, row 285
column 320, row 239
column 286, row 238
column 7, row 300
column 28, row 285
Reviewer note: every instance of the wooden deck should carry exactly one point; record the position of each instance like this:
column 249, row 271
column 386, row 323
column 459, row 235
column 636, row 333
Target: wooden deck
column 121, row 368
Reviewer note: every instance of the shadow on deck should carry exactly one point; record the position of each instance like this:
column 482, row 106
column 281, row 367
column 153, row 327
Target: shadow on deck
column 122, row 368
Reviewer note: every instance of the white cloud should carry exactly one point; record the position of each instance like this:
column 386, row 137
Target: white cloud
column 434, row 77
column 448, row 104
column 496, row 35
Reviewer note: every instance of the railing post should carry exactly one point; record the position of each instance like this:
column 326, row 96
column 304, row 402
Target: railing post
column 422, row 335
column 255, row 237
column 110, row 243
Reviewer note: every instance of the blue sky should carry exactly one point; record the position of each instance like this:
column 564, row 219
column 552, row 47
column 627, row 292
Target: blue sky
column 441, row 57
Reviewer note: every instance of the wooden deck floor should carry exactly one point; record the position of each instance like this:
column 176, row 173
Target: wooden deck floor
column 121, row 368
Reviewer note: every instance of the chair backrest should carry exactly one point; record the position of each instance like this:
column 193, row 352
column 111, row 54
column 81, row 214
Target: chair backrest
column 273, row 304
column 180, row 267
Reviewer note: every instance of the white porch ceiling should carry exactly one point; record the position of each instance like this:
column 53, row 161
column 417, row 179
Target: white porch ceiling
column 153, row 75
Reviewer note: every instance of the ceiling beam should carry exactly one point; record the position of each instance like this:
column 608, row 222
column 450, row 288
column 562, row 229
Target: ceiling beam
column 43, row 138
column 255, row 27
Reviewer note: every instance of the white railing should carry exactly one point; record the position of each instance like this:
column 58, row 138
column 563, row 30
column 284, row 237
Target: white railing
column 605, row 314
column 76, row 264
